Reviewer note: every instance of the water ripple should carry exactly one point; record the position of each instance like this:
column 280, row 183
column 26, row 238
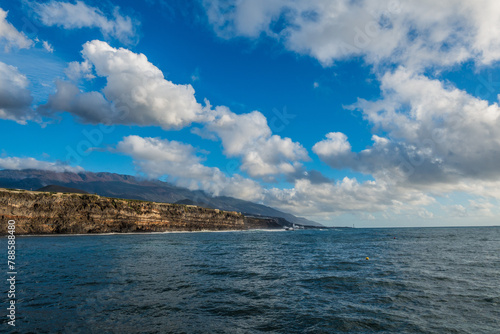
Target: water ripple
column 426, row 281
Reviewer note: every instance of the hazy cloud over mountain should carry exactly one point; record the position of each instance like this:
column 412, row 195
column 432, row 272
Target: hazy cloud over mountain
column 159, row 157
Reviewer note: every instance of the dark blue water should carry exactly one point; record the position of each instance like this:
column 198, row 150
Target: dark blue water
column 427, row 280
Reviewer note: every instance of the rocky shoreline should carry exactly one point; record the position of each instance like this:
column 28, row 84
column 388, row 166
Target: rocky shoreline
column 65, row 213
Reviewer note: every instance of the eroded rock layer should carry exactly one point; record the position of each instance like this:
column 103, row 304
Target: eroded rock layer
column 53, row 213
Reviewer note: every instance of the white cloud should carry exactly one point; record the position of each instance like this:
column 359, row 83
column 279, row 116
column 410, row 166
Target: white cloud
column 436, row 140
column 249, row 137
column 477, row 208
column 15, row 98
column 48, row 47
column 415, row 33
column 481, row 207
column 429, row 138
column 10, row 36
column 76, row 70
column 334, row 150
column 329, row 200
column 31, row 163
column 160, row 157
column 444, row 133
column 457, row 210
column 79, row 15
column 91, row 107
column 135, row 93
column 179, row 162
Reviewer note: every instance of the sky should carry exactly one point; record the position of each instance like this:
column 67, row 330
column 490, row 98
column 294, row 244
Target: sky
column 372, row 113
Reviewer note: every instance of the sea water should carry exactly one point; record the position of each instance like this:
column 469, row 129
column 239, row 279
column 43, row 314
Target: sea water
column 416, row 280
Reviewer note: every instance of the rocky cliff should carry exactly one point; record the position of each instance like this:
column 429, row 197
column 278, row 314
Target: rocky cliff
column 46, row 213
column 131, row 187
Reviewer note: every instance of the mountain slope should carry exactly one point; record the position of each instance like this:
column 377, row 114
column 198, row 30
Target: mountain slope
column 130, row 187
column 61, row 189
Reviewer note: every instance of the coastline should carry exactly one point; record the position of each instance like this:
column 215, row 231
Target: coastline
column 145, row 233
column 41, row 213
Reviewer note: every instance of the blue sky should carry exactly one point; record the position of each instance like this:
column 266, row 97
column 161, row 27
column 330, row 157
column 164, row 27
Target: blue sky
column 374, row 114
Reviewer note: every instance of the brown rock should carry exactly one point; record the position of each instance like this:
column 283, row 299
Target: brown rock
column 47, row 213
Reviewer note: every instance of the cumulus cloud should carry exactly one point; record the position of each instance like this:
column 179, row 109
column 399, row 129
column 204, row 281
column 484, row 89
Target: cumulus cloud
column 31, row 163
column 249, row 137
column 439, row 129
column 79, row 15
column 10, row 36
column 91, row 107
column 335, row 149
column 432, row 139
column 136, row 91
column 15, row 98
column 179, row 162
column 415, row 33
column 437, row 138
column 76, row 71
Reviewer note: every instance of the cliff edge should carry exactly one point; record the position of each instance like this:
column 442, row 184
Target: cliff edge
column 61, row 213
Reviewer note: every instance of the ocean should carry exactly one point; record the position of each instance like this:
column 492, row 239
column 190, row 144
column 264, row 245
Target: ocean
column 416, row 280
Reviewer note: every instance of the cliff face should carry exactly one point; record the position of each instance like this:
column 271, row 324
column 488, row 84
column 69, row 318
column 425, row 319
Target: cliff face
column 130, row 187
column 45, row 213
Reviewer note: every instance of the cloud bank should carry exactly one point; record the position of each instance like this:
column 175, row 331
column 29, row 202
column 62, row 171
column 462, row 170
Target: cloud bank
column 31, row 163
column 414, row 33
column 433, row 134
